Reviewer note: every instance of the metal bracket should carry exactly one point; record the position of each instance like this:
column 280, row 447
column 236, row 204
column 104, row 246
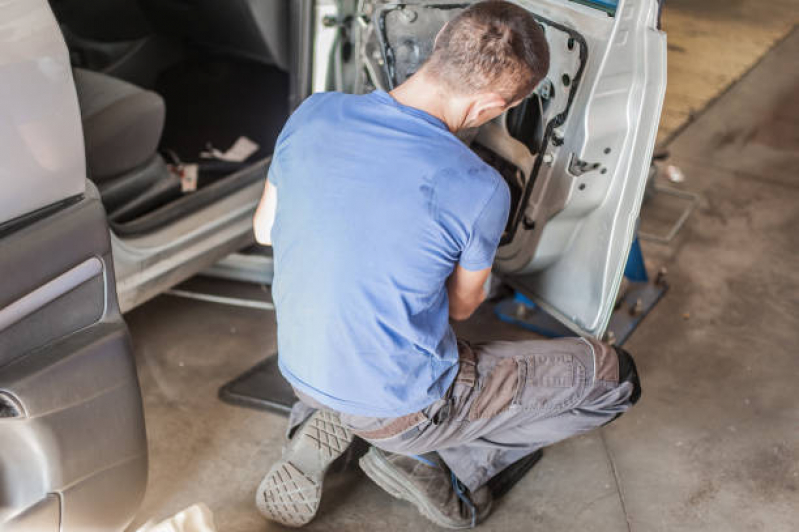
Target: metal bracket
column 578, row 167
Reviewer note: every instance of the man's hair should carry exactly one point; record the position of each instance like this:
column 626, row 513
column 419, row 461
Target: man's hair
column 491, row 46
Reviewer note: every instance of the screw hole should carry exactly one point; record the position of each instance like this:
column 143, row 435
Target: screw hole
column 607, row 151
column 566, row 80
column 603, row 171
column 570, row 43
column 582, row 186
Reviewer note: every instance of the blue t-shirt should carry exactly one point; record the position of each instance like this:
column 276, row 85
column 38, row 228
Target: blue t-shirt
column 377, row 203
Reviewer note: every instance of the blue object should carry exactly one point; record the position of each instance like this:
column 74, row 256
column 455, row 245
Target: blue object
column 635, row 269
column 377, row 202
column 460, row 491
column 608, row 6
column 532, row 317
column 423, row 460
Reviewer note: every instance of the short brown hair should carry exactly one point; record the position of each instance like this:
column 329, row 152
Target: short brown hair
column 493, row 45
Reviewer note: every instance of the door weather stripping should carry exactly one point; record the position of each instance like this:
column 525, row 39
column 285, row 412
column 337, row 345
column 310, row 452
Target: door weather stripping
column 49, row 292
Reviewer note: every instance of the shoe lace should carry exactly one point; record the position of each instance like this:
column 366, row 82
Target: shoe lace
column 424, row 460
column 460, row 491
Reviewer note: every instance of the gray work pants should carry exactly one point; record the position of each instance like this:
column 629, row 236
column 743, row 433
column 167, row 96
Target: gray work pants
column 508, row 400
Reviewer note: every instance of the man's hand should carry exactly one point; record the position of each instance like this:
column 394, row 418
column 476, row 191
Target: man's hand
column 466, row 292
column 265, row 215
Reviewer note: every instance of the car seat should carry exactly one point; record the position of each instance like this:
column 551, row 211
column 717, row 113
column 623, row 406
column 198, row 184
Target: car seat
column 122, row 126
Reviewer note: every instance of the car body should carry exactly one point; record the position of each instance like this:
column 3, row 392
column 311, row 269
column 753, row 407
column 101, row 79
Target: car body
column 72, row 439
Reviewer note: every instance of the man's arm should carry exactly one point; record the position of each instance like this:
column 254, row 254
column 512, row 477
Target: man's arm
column 265, row 215
column 465, row 285
column 466, row 291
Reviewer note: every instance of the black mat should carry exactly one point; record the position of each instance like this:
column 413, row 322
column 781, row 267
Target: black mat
column 261, row 387
column 217, row 100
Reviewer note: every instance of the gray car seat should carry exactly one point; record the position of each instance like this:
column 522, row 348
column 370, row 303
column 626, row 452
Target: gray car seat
column 122, row 124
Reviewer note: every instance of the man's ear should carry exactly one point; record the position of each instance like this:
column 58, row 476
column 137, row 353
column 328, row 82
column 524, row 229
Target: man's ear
column 435, row 41
column 484, row 108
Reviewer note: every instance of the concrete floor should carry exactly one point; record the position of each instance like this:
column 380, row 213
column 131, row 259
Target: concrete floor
column 712, row 43
column 714, row 443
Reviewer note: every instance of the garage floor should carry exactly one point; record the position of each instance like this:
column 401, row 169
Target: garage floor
column 712, row 43
column 714, row 443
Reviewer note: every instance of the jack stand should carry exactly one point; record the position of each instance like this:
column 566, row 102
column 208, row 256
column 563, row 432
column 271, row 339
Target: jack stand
column 638, row 296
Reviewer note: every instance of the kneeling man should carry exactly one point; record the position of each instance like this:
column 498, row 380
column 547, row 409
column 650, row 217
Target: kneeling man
column 384, row 227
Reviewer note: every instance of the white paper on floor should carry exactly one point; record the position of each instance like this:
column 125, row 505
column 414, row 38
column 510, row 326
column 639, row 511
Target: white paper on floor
column 240, row 151
column 195, row 518
column 188, row 177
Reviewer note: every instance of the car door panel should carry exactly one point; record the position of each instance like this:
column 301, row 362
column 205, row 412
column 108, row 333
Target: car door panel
column 43, row 264
column 73, row 450
column 584, row 213
column 72, row 424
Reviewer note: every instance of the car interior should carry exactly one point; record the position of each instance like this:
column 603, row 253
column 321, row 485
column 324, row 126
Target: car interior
column 163, row 85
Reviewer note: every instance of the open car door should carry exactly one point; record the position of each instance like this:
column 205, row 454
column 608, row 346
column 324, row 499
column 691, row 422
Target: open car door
column 73, row 451
column 569, row 243
column 575, row 154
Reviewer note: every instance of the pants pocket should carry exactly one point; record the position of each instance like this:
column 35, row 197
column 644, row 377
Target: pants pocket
column 551, row 382
column 498, row 391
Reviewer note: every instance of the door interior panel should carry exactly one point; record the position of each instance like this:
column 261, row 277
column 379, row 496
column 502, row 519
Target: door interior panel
column 53, row 312
column 40, row 252
column 71, row 422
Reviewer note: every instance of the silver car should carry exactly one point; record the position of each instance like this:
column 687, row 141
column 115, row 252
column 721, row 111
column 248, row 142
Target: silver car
column 118, row 183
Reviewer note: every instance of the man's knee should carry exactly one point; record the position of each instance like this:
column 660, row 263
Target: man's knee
column 614, row 368
column 629, row 373
column 626, row 390
column 616, row 385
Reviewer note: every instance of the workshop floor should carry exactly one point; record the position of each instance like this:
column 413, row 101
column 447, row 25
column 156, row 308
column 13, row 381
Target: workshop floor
column 714, row 443
column 712, row 43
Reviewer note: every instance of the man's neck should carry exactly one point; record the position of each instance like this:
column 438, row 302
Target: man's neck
column 420, row 93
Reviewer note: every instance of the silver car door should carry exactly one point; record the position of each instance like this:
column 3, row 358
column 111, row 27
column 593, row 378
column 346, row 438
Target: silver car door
column 73, row 452
column 573, row 232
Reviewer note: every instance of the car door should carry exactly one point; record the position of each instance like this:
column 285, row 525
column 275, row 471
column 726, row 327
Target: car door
column 73, row 452
column 575, row 154
column 572, row 238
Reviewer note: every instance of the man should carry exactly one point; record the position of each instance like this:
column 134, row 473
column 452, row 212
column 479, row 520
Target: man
column 384, row 226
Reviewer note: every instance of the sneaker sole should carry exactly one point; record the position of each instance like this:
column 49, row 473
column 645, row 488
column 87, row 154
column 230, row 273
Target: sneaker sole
column 397, row 485
column 292, row 490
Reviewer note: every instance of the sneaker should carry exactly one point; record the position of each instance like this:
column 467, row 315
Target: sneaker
column 427, row 483
column 290, row 493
